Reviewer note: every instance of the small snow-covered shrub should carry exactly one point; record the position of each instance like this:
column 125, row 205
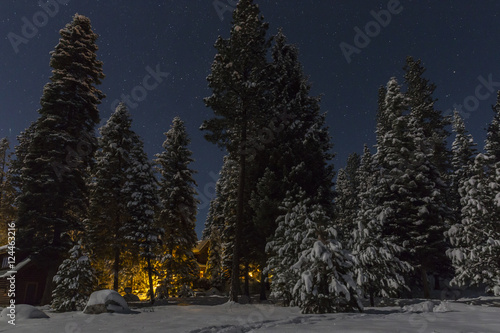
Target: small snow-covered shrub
column 75, row 281
column 326, row 282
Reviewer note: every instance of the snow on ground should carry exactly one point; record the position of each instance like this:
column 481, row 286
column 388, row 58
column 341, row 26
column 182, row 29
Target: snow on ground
column 22, row 312
column 417, row 316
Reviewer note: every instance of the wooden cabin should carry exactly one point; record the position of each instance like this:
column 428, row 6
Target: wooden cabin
column 201, row 254
column 29, row 279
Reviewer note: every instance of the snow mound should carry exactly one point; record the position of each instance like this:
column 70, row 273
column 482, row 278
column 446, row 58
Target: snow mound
column 106, row 301
column 428, row 306
column 22, row 311
column 443, row 307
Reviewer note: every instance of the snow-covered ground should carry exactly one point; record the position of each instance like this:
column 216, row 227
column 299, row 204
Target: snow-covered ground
column 465, row 315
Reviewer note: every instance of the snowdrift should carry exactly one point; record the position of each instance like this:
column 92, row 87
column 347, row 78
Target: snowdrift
column 22, row 311
column 106, row 300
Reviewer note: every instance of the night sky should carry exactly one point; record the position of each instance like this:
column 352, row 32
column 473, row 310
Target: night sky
column 456, row 40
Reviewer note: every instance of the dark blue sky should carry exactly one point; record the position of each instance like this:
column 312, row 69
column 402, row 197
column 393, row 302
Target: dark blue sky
column 456, row 40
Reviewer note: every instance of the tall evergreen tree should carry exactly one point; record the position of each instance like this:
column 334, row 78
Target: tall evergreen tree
column 347, row 200
column 476, row 239
column 295, row 150
column 464, row 151
column 299, row 129
column 492, row 145
column 421, row 103
column 431, row 156
column 352, row 168
column 265, row 204
column 382, row 124
column 411, row 192
column 20, row 152
column 285, row 247
column 428, row 211
column 214, row 270
column 53, row 194
column 378, row 269
column 390, row 195
column 141, row 229
column 109, row 214
column 237, row 77
column 178, row 205
column 221, row 221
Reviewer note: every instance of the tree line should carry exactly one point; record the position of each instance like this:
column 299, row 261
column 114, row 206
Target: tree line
column 411, row 209
column 79, row 199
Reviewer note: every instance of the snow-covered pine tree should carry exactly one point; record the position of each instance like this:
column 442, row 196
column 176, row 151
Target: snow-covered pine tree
column 326, row 278
column 239, row 83
column 343, row 218
column 225, row 207
column 409, row 197
column 53, row 199
column 20, row 151
column 464, row 151
column 347, row 200
column 346, row 205
column 351, row 170
column 214, row 270
column 378, row 270
column 296, row 134
column 286, row 245
column 74, row 282
column 476, row 240
column 428, row 210
column 140, row 229
column 178, row 205
column 390, row 163
column 492, row 145
column 212, row 233
column 299, row 130
column 433, row 124
column 265, row 205
column 108, row 211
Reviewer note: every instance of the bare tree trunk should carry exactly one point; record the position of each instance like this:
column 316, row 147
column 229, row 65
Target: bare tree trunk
column 150, row 276
column 425, row 283
column 263, row 278
column 116, row 269
column 437, row 286
column 247, row 282
column 53, row 262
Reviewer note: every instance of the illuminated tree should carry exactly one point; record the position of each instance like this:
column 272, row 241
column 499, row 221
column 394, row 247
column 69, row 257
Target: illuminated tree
column 178, row 205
